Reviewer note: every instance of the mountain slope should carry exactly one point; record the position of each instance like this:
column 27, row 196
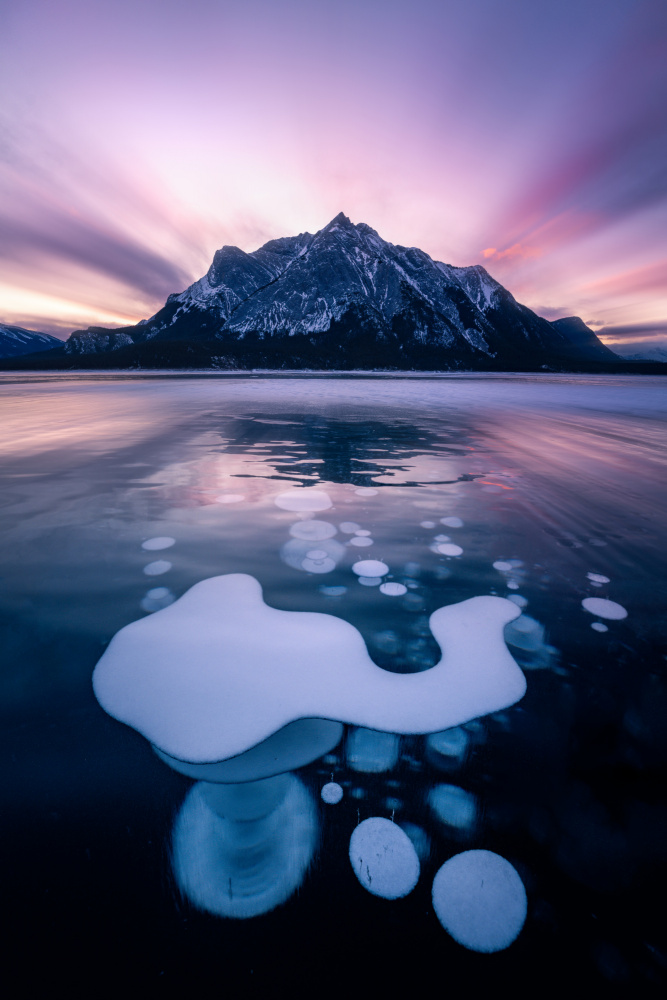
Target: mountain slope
column 15, row 341
column 345, row 298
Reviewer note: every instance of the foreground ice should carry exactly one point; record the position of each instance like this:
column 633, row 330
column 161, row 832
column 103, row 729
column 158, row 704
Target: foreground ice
column 219, row 671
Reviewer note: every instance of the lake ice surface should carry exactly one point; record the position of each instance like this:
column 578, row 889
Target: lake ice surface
column 558, row 478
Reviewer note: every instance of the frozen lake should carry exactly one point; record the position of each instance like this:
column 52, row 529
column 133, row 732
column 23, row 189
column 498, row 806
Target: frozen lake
column 122, row 491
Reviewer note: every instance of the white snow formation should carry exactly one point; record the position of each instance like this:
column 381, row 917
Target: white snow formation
column 219, row 671
column 480, row 900
column 604, row 609
column 383, row 858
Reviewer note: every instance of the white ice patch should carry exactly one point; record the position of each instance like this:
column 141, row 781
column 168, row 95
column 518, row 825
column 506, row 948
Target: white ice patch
column 452, row 522
column 157, row 568
column 230, row 498
column 219, row 671
column 597, row 578
column 303, row 499
column 604, row 609
column 161, row 542
column 480, row 900
column 449, row 549
column 383, row 858
column 312, row 531
column 365, row 491
column 393, row 589
column 370, row 567
column 453, row 806
column 332, row 793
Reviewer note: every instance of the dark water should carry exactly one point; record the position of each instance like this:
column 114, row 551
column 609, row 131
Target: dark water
column 554, row 478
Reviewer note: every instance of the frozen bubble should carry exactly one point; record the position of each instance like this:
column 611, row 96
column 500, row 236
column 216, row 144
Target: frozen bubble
column 452, row 743
column 230, row 498
column 525, row 633
column 512, row 585
column 303, row 499
column 597, row 578
column 452, row 522
column 361, row 543
column 597, row 541
column 156, row 599
column 453, row 806
column 442, row 538
column 358, row 793
column 449, row 549
column 332, row 793
column 316, row 554
column 370, row 751
column 297, row 554
column 370, row 567
column 312, row 531
column 370, row 581
column 518, row 599
column 392, row 804
column 412, row 569
column 349, row 527
column 599, row 627
column 157, row 593
column 515, row 563
column 318, row 565
column 427, row 524
column 162, row 542
column 480, row 900
column 365, row 491
column 420, row 839
column 393, row 589
column 603, row 608
column 157, row 568
column 333, row 591
column 503, row 567
column 383, row 858
column 362, row 532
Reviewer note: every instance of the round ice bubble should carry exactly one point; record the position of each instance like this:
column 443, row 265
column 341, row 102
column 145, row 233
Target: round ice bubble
column 480, row 900
column 604, row 609
column 383, row 858
column 370, row 581
column 597, row 578
column 361, row 543
column 349, row 527
column 157, row 568
column 321, row 565
column 502, row 567
column 420, row 840
column 156, row 599
column 316, row 554
column 454, row 806
column 312, row 531
column 442, row 538
column 599, row 627
column 427, row 524
column 362, row 532
column 452, row 522
column 365, row 491
column 393, row 589
column 230, row 498
column 332, row 793
column 161, row 542
column 518, row 599
column 449, row 549
column 333, row 591
column 303, row 499
column 371, row 751
column 298, row 553
column 370, row 567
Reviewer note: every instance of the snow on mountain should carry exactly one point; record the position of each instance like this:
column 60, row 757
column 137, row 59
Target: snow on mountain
column 15, row 341
column 346, row 296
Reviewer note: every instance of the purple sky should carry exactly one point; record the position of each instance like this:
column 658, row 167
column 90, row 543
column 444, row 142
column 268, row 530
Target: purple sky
column 137, row 136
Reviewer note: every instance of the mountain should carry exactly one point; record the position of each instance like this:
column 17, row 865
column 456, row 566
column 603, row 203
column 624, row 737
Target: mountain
column 15, row 341
column 341, row 298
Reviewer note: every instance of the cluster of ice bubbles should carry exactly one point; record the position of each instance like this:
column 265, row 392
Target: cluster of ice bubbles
column 600, row 606
column 512, row 570
column 157, row 598
column 442, row 544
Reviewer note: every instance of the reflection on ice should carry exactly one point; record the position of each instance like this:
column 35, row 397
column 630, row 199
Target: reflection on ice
column 239, row 851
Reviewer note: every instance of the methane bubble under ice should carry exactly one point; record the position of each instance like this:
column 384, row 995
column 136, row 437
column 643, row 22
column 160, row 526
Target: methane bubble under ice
column 369, row 751
column 157, row 568
column 312, row 531
column 303, row 500
column 219, row 671
column 480, row 900
column 297, row 553
column 370, row 567
column 597, row 578
column 449, row 549
column 161, row 542
column 452, row 522
column 599, row 627
column 360, row 543
column 453, row 806
column 393, row 589
column 383, row 858
column 604, row 609
column 349, row 527
column 332, row 793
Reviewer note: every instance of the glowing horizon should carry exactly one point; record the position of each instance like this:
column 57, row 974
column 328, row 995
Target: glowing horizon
column 140, row 137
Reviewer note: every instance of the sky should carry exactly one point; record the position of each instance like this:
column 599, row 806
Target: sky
column 138, row 136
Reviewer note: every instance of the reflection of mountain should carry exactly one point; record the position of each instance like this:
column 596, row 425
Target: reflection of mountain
column 342, row 298
column 310, row 448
